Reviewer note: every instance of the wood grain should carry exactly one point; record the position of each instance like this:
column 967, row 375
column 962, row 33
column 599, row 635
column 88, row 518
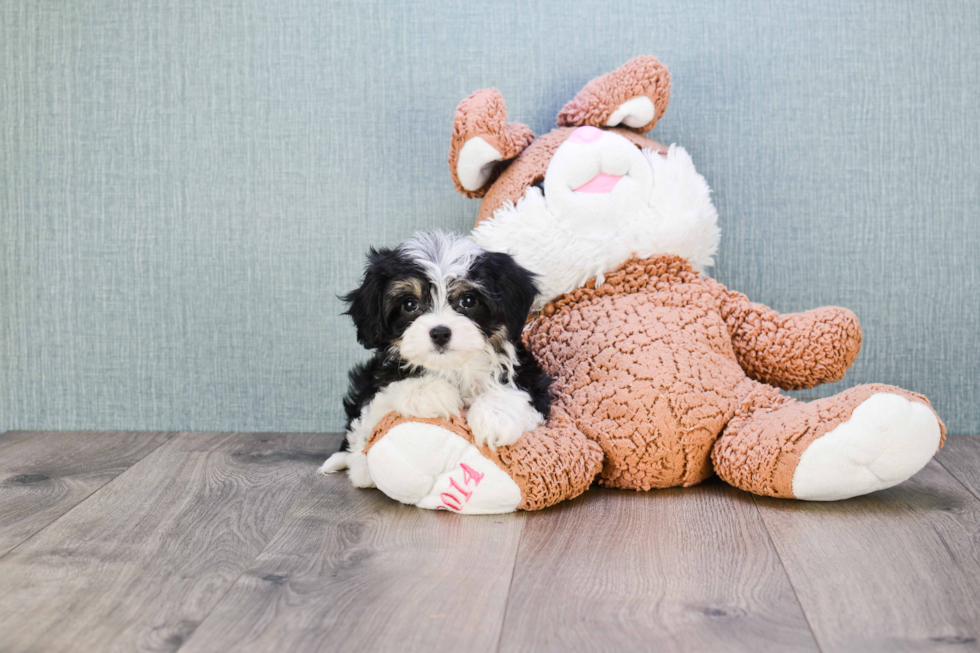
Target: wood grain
column 671, row 570
column 142, row 562
column 961, row 458
column 355, row 571
column 897, row 570
column 230, row 542
column 44, row 474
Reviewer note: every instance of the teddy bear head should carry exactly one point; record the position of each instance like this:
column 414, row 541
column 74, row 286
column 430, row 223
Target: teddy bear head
column 582, row 199
column 499, row 161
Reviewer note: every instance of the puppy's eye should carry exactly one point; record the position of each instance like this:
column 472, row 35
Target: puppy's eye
column 467, row 301
column 410, row 305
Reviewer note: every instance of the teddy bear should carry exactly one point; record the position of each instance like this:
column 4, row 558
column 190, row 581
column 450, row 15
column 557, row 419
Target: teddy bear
column 662, row 376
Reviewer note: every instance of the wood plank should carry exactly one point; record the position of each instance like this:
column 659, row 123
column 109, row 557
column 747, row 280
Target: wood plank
column 897, row 570
column 44, row 474
column 961, row 458
column 355, row 571
column 686, row 569
column 141, row 563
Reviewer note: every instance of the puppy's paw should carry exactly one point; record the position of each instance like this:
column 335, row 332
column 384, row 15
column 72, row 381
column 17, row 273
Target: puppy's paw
column 425, row 397
column 499, row 418
column 334, row 463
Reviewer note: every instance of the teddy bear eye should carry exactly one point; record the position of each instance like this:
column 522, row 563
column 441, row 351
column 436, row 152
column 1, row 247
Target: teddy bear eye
column 410, row 305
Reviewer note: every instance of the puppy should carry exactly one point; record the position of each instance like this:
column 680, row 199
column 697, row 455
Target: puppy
column 444, row 320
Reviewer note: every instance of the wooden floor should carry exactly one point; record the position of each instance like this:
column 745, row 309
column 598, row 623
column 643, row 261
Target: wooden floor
column 230, row 542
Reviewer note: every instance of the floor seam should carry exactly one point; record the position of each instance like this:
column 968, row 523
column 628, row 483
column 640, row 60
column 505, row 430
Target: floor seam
column 510, row 583
column 956, row 478
column 806, row 617
column 91, row 494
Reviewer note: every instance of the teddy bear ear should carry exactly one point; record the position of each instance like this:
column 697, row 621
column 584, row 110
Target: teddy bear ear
column 634, row 96
column 482, row 138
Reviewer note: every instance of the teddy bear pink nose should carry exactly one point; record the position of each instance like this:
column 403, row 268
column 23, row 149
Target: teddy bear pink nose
column 586, row 134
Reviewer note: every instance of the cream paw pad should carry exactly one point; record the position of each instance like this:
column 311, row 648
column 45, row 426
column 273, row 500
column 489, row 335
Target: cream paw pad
column 432, row 467
column 435, row 464
column 887, row 439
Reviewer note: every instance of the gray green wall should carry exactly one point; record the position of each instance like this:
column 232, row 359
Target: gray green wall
column 186, row 185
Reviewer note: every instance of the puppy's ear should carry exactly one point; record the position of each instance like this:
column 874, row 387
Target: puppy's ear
column 365, row 304
column 511, row 285
column 634, row 96
column 482, row 138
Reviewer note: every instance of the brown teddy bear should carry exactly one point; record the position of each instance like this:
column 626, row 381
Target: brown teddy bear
column 662, row 375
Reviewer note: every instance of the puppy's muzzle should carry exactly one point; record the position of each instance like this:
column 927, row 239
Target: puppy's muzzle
column 440, row 335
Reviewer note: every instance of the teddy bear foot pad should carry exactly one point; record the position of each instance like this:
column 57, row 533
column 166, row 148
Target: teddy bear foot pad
column 886, row 440
column 431, row 467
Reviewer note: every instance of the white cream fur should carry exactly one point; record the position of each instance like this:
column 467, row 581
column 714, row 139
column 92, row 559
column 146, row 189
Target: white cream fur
column 887, row 439
column 475, row 163
column 443, row 256
column 466, row 342
column 500, row 415
column 417, row 463
column 635, row 113
column 661, row 206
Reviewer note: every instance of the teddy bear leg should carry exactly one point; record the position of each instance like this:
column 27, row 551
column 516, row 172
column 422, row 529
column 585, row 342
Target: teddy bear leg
column 435, row 464
column 865, row 439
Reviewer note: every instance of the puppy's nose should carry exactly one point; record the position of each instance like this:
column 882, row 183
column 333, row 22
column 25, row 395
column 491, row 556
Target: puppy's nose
column 585, row 134
column 440, row 335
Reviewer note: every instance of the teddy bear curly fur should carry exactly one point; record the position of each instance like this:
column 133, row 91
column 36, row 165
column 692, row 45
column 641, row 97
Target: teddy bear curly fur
column 663, row 376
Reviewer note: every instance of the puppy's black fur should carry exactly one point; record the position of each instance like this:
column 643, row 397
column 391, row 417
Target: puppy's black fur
column 512, row 290
column 498, row 295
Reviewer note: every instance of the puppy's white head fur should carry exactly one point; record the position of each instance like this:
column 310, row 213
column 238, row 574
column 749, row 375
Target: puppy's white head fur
column 446, row 261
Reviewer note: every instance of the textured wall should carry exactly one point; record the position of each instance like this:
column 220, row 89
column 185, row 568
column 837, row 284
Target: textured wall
column 186, row 185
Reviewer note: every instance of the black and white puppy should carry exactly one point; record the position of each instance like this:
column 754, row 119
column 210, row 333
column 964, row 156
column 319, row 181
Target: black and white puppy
column 444, row 320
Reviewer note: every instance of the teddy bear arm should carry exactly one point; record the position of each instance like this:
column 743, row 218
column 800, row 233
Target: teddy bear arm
column 792, row 351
